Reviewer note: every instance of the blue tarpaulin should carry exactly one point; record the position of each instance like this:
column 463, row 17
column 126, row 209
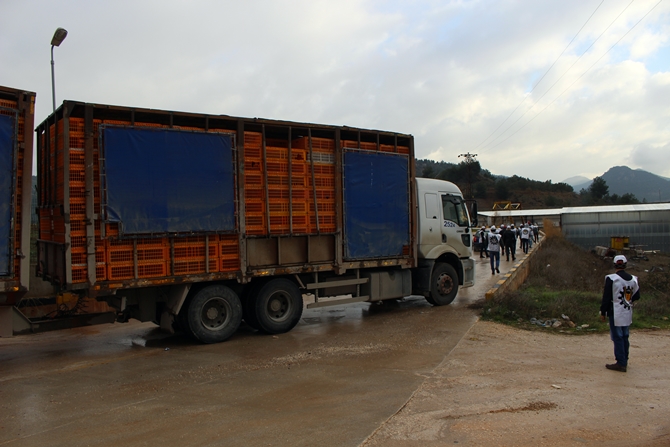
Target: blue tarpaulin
column 376, row 206
column 6, row 188
column 169, row 181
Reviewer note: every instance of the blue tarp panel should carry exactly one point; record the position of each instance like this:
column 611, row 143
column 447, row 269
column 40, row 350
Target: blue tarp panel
column 6, row 188
column 168, row 181
column 376, row 205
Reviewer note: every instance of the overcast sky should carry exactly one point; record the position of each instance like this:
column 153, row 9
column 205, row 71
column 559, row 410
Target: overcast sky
column 501, row 79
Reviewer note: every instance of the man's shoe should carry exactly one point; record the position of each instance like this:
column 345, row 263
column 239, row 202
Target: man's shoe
column 498, row 270
column 616, row 367
column 493, row 272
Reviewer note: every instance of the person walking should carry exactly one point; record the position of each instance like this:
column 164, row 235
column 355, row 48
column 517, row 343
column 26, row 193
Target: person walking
column 509, row 241
column 483, row 242
column 525, row 238
column 494, row 250
column 620, row 291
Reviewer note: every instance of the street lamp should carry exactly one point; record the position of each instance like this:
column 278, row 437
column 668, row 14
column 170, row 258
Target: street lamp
column 56, row 40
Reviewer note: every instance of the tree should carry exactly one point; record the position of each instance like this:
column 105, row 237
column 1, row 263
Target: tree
column 628, row 199
column 480, row 190
column 502, row 191
column 428, row 171
column 598, row 188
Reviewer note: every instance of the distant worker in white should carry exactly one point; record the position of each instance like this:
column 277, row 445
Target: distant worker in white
column 494, row 250
column 621, row 290
column 525, row 237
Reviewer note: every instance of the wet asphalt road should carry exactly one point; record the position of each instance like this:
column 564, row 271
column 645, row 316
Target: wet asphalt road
column 332, row 380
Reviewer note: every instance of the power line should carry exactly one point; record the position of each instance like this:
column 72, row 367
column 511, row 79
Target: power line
column 561, row 77
column 545, row 74
column 582, row 75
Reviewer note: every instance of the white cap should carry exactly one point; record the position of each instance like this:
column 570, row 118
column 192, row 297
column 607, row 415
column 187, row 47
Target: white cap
column 493, row 228
column 620, row 260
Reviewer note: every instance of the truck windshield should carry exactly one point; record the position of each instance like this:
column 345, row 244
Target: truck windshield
column 454, row 210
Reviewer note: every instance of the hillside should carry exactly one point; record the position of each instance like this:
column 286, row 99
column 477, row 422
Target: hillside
column 642, row 184
column 488, row 188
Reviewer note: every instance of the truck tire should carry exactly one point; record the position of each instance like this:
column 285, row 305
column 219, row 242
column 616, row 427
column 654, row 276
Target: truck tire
column 276, row 305
column 214, row 314
column 443, row 285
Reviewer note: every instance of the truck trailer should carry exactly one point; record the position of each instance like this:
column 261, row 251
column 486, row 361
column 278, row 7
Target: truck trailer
column 17, row 109
column 197, row 221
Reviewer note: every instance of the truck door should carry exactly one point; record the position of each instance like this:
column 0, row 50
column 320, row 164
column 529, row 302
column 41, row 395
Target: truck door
column 455, row 223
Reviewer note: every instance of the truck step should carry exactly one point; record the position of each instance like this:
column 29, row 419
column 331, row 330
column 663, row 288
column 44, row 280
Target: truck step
column 335, row 302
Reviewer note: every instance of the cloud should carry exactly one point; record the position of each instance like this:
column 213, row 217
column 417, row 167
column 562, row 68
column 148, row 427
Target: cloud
column 457, row 75
column 654, row 159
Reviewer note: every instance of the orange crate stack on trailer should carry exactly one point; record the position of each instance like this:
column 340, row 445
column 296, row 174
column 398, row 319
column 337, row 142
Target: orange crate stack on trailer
column 17, row 108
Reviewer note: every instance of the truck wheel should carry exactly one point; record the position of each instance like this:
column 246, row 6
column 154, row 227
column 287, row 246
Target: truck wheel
column 214, row 314
column 277, row 306
column 443, row 286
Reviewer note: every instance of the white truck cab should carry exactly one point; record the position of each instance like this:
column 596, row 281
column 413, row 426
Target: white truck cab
column 444, row 241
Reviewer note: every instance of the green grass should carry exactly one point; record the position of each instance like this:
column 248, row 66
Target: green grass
column 566, row 280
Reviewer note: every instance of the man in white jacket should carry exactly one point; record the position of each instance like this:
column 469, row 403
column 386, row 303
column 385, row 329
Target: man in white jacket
column 620, row 291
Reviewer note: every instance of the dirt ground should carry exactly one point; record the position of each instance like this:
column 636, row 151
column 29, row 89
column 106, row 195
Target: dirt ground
column 502, row 386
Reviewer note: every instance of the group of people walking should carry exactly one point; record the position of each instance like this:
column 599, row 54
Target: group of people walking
column 496, row 241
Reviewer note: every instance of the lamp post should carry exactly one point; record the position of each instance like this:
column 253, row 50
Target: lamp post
column 56, row 40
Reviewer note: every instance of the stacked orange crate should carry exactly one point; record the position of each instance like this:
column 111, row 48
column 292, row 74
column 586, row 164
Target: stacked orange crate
column 229, row 253
column 152, row 256
column 254, row 186
column 190, row 255
column 282, row 208
column 150, row 259
column 77, row 192
column 120, row 259
column 323, row 182
column 391, row 148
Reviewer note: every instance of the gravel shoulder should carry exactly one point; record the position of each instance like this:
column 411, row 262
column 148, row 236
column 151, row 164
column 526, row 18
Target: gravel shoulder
column 509, row 387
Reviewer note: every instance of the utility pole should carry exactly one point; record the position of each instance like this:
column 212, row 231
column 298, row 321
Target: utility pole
column 469, row 159
column 469, row 197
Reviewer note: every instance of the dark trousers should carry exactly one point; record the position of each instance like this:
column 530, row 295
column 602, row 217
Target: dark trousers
column 510, row 249
column 524, row 245
column 483, row 251
column 619, row 336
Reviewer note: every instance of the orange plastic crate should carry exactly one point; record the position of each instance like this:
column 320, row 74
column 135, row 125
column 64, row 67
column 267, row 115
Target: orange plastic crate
column 320, row 144
column 79, row 274
column 252, row 140
column 117, row 272
column 230, row 265
column 254, row 193
column 152, row 270
column 189, row 267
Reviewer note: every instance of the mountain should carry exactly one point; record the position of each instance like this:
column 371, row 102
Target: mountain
column 577, row 181
column 642, row 184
